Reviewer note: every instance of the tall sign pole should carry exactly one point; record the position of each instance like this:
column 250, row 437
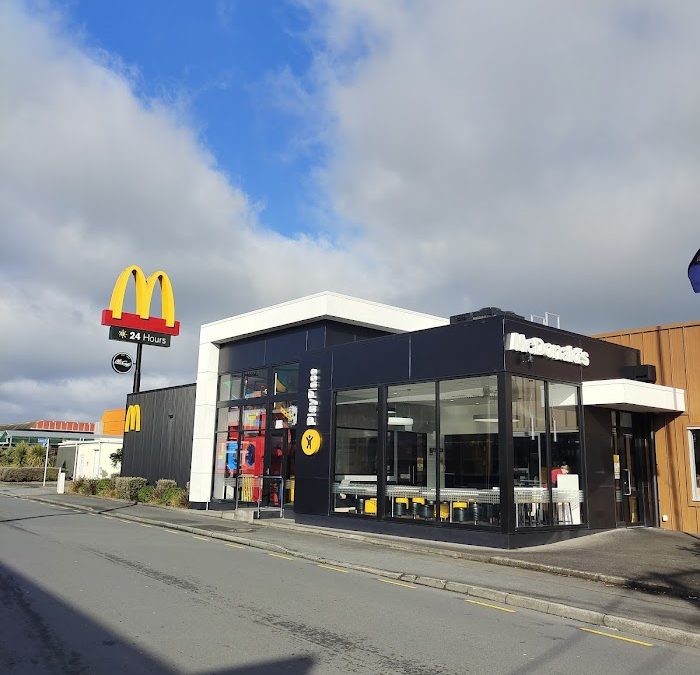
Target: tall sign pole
column 141, row 328
column 137, row 370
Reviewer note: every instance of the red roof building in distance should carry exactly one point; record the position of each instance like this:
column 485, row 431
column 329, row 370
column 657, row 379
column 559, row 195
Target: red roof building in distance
column 60, row 425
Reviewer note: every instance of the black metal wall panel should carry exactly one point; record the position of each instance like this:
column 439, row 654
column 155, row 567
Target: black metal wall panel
column 368, row 362
column 458, row 350
column 163, row 446
column 288, row 344
column 599, row 468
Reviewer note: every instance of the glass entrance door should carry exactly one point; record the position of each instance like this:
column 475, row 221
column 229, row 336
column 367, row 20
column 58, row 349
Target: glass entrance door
column 631, row 494
column 632, row 468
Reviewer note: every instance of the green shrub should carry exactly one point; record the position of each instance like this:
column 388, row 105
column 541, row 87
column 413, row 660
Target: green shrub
column 174, row 496
column 163, row 484
column 103, row 487
column 76, row 484
column 127, row 487
column 145, row 494
column 88, row 486
column 25, row 474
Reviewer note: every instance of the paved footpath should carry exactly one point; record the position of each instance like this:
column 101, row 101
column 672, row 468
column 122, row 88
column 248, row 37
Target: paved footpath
column 653, row 556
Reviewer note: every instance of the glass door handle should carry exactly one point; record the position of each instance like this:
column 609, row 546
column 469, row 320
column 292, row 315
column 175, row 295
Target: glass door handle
column 629, row 482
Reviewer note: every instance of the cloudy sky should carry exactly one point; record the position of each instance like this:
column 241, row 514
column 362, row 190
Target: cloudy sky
column 440, row 156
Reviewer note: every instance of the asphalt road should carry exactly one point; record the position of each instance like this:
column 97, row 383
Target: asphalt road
column 84, row 593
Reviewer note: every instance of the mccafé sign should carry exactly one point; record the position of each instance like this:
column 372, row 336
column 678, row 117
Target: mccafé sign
column 141, row 327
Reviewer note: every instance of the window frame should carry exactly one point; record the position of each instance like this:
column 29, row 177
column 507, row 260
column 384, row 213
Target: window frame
column 694, row 468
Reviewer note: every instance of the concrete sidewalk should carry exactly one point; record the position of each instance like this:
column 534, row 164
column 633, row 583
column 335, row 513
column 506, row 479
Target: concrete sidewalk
column 663, row 559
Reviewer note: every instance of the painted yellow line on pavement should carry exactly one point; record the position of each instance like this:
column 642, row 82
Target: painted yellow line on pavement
column 618, row 637
column 396, row 583
column 144, row 525
column 196, row 536
column 331, row 567
column 281, row 555
column 235, row 545
column 488, row 604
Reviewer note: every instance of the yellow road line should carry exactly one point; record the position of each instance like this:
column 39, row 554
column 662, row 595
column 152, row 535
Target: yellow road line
column 488, row 604
column 618, row 637
column 281, row 555
column 196, row 536
column 144, row 525
column 235, row 545
column 331, row 567
column 396, row 583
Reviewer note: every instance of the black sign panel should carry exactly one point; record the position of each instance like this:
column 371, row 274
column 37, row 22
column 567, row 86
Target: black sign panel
column 121, row 363
column 146, row 337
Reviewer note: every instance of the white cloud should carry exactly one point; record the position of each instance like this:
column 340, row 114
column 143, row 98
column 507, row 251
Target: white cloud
column 93, row 179
column 536, row 156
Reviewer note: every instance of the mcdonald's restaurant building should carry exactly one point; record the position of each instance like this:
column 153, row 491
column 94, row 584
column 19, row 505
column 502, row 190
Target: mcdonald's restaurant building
column 483, row 428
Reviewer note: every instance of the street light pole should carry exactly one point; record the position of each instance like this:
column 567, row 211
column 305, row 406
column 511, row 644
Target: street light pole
column 46, row 460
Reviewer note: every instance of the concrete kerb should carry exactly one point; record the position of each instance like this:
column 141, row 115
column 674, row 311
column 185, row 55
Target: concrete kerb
column 641, row 628
column 504, row 561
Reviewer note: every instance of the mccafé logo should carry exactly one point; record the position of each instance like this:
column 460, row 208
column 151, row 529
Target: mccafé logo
column 142, row 320
column 133, row 418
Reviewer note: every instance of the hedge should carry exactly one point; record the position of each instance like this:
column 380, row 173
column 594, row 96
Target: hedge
column 26, row 474
column 145, row 494
column 128, row 487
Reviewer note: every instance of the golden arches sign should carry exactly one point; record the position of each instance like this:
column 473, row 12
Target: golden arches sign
column 142, row 320
column 132, row 421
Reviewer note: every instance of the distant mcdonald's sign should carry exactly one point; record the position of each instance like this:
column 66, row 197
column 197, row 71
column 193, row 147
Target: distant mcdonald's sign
column 133, row 418
column 142, row 320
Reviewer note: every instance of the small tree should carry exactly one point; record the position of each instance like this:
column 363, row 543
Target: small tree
column 116, row 457
column 18, row 453
column 35, row 456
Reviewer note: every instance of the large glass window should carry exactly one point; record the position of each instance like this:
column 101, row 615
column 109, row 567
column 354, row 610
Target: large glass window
column 695, row 462
column 229, row 387
column 547, row 490
column 411, row 451
column 286, row 379
column 356, row 437
column 255, row 383
column 565, row 438
column 226, row 458
column 469, row 476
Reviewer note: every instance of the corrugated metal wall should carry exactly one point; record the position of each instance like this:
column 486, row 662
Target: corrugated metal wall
column 163, row 446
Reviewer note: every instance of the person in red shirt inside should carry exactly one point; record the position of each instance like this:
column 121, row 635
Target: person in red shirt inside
column 563, row 469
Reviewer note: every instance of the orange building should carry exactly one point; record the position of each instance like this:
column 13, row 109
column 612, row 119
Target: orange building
column 674, row 350
column 112, row 422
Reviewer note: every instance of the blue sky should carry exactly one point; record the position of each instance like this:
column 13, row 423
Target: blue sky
column 438, row 156
column 220, row 62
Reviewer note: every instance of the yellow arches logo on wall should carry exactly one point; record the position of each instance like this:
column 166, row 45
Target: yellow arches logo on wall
column 310, row 442
column 133, row 418
column 142, row 320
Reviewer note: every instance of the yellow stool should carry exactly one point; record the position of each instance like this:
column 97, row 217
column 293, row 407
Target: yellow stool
column 371, row 506
column 459, row 511
column 401, row 506
column 444, row 510
column 416, row 503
